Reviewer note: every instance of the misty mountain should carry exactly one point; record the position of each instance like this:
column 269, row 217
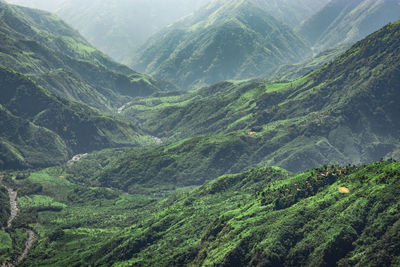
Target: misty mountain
column 54, row 55
column 117, row 26
column 342, row 21
column 270, row 171
column 224, row 40
column 341, row 113
column 49, row 5
column 291, row 12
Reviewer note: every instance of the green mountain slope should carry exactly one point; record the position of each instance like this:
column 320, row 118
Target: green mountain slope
column 326, row 216
column 122, row 25
column 224, row 40
column 304, row 220
column 343, row 21
column 39, row 129
column 345, row 112
column 49, row 5
column 40, row 45
column 295, row 71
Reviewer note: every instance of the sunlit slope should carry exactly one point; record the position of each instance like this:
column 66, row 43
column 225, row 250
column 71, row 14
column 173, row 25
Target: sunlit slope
column 344, row 112
column 258, row 219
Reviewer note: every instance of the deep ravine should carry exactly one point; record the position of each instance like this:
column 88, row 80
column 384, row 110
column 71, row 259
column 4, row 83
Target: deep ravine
column 14, row 211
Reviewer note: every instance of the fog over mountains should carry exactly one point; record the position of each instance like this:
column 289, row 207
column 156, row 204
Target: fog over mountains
column 117, row 26
column 200, row 133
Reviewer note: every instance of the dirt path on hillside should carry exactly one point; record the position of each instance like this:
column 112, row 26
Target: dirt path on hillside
column 120, row 109
column 14, row 211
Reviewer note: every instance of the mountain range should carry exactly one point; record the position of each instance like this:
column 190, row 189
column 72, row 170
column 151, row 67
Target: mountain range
column 291, row 164
column 341, row 113
column 42, row 60
column 117, row 27
column 224, row 40
column 63, row 62
column 341, row 21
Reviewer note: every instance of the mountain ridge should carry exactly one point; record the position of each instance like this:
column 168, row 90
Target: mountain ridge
column 46, row 44
column 348, row 21
column 52, row 129
column 207, row 47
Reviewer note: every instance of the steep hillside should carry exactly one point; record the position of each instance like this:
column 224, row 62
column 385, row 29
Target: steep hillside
column 295, row 71
column 224, row 40
column 345, row 112
column 326, row 216
column 322, row 217
column 49, row 5
column 291, row 12
column 40, row 45
column 117, row 27
column 124, row 25
column 342, row 21
column 39, row 129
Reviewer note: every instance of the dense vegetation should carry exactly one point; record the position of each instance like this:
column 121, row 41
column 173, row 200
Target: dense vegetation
column 197, row 186
column 295, row 71
column 341, row 21
column 343, row 113
column 4, row 207
column 224, row 40
column 124, row 24
column 54, row 55
column 325, row 216
column 39, row 129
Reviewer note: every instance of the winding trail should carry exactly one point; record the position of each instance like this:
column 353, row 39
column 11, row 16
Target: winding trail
column 14, row 211
column 13, row 203
column 120, row 109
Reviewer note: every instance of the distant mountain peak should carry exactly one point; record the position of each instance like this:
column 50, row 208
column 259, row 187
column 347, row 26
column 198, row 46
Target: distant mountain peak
column 224, row 40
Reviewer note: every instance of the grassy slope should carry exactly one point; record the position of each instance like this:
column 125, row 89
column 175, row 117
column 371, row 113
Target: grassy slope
column 71, row 220
column 39, row 129
column 344, row 112
column 228, row 40
column 264, row 216
column 54, row 55
column 304, row 220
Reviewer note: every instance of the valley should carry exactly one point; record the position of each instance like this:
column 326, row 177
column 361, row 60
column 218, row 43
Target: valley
column 14, row 211
column 244, row 133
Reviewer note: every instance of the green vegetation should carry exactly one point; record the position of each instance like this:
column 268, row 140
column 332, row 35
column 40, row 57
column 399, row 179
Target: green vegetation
column 196, row 187
column 341, row 22
column 295, row 71
column 4, row 209
column 303, row 220
column 345, row 112
column 59, row 59
column 224, row 40
column 39, row 129
column 128, row 23
column 70, row 217
column 262, row 216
